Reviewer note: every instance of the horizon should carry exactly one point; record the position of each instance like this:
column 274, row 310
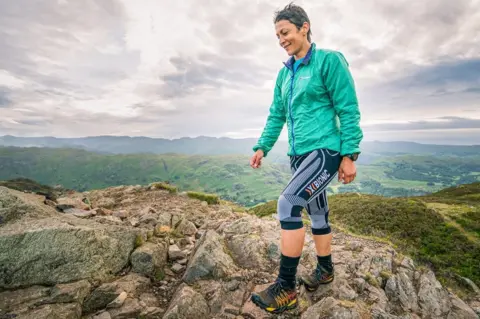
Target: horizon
column 218, row 137
column 114, row 67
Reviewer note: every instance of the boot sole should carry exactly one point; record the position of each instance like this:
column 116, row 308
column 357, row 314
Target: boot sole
column 292, row 305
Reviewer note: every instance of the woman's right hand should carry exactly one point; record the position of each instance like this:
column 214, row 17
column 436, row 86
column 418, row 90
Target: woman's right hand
column 256, row 160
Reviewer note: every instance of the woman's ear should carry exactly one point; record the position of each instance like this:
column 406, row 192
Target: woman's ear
column 305, row 28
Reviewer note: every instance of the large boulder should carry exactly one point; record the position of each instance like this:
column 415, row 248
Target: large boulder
column 210, row 259
column 187, row 304
column 39, row 246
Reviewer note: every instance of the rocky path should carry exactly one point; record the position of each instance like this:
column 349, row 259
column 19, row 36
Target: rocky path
column 137, row 252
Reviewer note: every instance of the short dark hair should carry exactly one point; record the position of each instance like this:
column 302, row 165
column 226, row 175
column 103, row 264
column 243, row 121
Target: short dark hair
column 296, row 15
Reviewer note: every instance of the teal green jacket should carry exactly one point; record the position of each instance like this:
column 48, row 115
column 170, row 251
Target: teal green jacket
column 319, row 104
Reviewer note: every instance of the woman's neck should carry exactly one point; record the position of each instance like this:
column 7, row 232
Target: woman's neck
column 303, row 52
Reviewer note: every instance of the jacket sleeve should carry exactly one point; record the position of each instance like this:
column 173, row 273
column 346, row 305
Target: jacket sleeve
column 275, row 122
column 341, row 88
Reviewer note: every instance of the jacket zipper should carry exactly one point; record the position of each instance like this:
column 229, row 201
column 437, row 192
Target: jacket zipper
column 290, row 110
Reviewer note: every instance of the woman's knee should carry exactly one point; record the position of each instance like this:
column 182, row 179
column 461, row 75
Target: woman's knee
column 289, row 212
column 319, row 221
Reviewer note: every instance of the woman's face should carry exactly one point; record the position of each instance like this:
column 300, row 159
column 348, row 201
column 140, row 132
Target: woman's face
column 289, row 37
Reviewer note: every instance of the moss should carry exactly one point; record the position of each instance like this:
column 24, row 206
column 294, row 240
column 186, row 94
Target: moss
column 385, row 274
column 139, row 241
column 209, row 198
column 165, row 186
column 159, row 274
column 149, row 234
column 371, row 280
column 347, row 303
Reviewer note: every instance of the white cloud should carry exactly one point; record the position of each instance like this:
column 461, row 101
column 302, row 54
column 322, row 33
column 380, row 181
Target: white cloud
column 10, row 81
column 198, row 67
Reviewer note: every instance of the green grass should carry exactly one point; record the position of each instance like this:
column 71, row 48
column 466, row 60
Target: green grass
column 264, row 210
column 165, row 186
column 414, row 228
column 209, row 198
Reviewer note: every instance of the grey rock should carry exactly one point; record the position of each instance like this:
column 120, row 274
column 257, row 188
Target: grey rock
column 174, row 253
column 80, row 213
column 176, row 219
column 148, row 219
column 133, row 283
column 433, row 299
column 61, row 310
column 245, row 225
column 209, row 259
column 130, row 309
column 329, row 308
column 177, row 268
column 103, row 315
column 106, row 202
column 118, row 302
column 11, row 300
column 61, row 249
column 186, row 228
column 149, row 257
column 400, row 291
column 101, row 297
column 408, row 263
column 72, row 202
column 460, row 309
column 377, row 297
column 151, row 313
column 15, row 205
column 232, row 285
column 188, row 304
column 71, row 292
column 121, row 214
column 248, row 251
column 149, row 299
column 199, row 233
column 183, row 261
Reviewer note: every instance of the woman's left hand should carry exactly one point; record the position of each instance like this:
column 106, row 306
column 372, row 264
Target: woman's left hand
column 347, row 171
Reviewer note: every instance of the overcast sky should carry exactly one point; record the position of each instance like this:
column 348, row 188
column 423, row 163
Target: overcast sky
column 174, row 68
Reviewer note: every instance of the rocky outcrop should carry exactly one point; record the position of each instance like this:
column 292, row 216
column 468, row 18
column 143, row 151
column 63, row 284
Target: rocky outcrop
column 44, row 247
column 137, row 252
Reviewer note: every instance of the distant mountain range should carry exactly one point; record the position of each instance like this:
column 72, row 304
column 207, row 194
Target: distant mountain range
column 218, row 146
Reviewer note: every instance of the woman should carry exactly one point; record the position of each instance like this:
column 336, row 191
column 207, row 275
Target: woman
column 315, row 95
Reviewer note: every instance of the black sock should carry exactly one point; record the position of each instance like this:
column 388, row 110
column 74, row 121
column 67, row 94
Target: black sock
column 288, row 269
column 325, row 262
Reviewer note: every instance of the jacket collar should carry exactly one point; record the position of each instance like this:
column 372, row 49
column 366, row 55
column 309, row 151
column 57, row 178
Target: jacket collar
column 306, row 59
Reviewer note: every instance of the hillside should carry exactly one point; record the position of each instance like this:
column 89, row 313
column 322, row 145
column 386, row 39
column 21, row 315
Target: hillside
column 154, row 253
column 230, row 176
column 204, row 145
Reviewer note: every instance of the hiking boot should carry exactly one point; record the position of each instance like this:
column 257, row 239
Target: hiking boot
column 319, row 276
column 277, row 298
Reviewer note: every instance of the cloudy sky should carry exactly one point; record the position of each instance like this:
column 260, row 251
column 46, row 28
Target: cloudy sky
column 173, row 68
